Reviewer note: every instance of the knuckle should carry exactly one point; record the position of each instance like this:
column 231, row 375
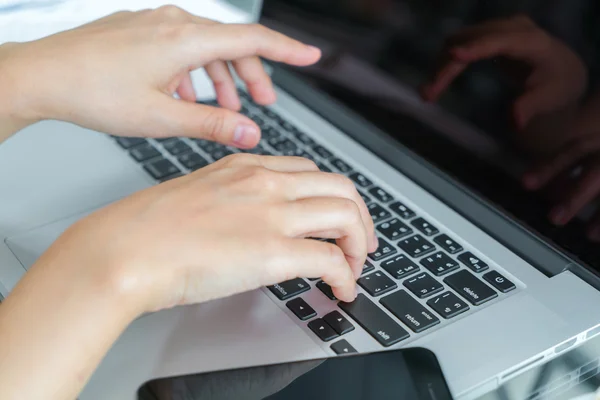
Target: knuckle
column 214, row 125
column 334, row 253
column 238, row 159
column 171, row 11
column 350, row 210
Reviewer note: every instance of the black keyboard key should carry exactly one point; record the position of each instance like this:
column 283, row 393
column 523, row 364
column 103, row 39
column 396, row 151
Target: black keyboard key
column 144, row 152
column 193, row 161
column 289, row 289
column 374, row 320
column 268, row 112
column 270, row 133
column 410, row 311
column 128, row 142
column 365, row 198
column 385, row 249
column 377, row 212
column 416, row 246
column 377, row 284
column 400, row 266
column 217, row 154
column 285, row 145
column 322, row 329
column 258, row 119
column 301, row 309
column 161, row 169
column 447, row 243
column 474, row 263
column 394, row 229
column 368, row 267
column 168, row 178
column 323, row 167
column 338, row 322
column 499, row 282
column 425, row 227
column 448, row 305
column 207, row 145
column 470, row 287
column 297, row 152
column 287, row 125
column 304, row 138
column 176, row 147
column 380, row 194
column 322, row 152
column 326, row 289
column 361, row 180
column 341, row 166
column 423, row 285
column 439, row 264
column 403, row 211
column 343, row 347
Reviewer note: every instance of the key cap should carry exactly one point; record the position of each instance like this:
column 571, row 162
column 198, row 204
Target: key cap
column 425, row 227
column 144, row 152
column 341, row 165
column 365, row 198
column 360, row 180
column 447, row 243
column 423, row 285
column 304, row 138
column 384, row 250
column 326, row 289
column 470, row 287
column 499, row 282
column 322, row 152
column 338, row 322
column 377, row 212
column 176, row 146
column 268, row 112
column 409, row 311
column 301, row 309
column 343, row 347
column 285, row 145
column 161, row 169
column 380, row 194
column 323, row 331
column 270, row 133
column 400, row 266
column 168, row 178
column 474, row 263
column 297, row 152
column 289, row 289
column 287, row 126
column 323, row 167
column 377, row 284
column 376, row 322
column 207, row 146
column 394, row 229
column 448, row 305
column 220, row 153
column 128, row 142
column 439, row 264
column 193, row 161
column 403, row 211
column 416, row 246
column 368, row 267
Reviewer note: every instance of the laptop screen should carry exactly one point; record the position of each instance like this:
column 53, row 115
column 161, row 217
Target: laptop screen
column 380, row 58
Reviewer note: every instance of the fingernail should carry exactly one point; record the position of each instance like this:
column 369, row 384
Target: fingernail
column 245, row 136
column 558, row 216
column 314, row 48
column 355, row 292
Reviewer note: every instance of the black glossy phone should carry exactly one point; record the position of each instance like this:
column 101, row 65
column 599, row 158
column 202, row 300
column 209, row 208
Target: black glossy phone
column 411, row 374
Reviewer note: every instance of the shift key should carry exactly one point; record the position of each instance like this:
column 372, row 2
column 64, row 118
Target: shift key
column 376, row 322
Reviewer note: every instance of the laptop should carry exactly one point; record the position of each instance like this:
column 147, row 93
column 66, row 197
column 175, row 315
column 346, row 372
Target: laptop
column 454, row 272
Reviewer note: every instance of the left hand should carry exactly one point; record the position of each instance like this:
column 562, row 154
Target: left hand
column 582, row 156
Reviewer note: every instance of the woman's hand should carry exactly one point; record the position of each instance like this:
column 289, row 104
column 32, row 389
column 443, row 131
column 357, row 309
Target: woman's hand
column 119, row 75
column 233, row 226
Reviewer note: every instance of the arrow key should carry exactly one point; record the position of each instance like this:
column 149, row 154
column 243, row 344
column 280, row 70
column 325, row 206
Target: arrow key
column 322, row 329
column 343, row 347
column 338, row 322
column 301, row 309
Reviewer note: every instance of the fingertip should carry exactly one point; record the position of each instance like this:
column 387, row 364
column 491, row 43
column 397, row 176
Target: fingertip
column 246, row 135
column 315, row 52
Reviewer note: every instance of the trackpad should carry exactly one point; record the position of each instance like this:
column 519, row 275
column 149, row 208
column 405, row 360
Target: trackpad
column 29, row 246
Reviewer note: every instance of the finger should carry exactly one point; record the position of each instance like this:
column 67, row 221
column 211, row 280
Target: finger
column 235, row 41
column 520, row 45
column 584, row 191
column 443, row 78
column 273, row 163
column 186, row 89
column 258, row 82
column 319, row 184
column 301, row 258
column 328, row 217
column 574, row 153
column 227, row 95
column 180, row 118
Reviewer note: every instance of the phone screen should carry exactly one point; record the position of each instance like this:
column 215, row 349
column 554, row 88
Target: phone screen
column 399, row 374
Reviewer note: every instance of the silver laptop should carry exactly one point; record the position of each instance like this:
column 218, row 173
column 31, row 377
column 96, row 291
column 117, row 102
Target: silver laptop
column 453, row 273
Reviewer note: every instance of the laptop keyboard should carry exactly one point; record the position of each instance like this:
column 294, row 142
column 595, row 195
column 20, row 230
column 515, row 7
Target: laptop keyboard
column 420, row 275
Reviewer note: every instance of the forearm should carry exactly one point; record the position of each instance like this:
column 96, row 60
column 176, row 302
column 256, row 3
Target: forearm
column 55, row 328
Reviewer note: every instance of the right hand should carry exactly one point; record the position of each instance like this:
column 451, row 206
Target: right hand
column 557, row 76
column 236, row 225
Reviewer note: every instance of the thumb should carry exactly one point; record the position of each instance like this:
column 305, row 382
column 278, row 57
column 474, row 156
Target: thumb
column 182, row 118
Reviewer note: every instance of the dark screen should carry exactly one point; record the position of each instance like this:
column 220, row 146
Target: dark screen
column 401, row 374
column 377, row 52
